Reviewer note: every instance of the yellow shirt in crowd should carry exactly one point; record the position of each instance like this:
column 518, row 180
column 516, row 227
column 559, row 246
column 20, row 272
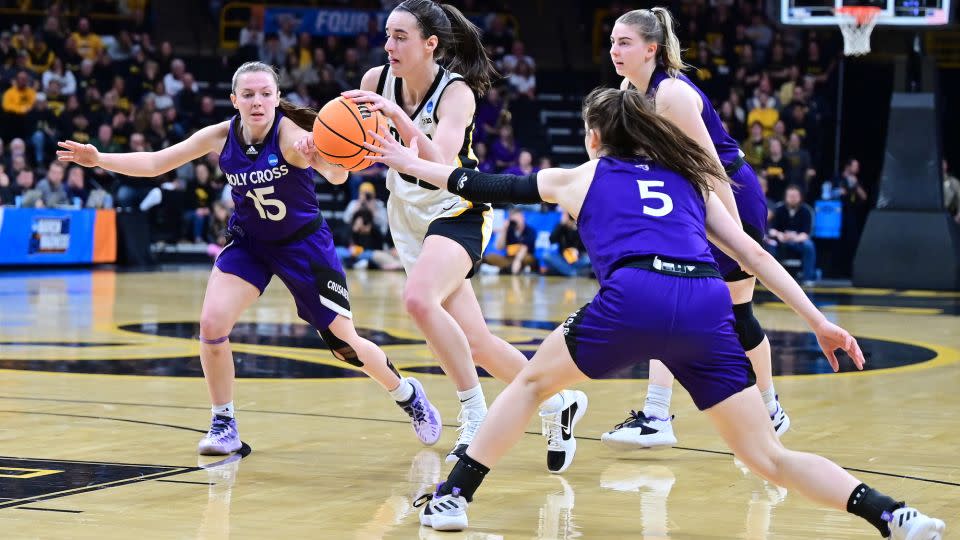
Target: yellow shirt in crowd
column 18, row 101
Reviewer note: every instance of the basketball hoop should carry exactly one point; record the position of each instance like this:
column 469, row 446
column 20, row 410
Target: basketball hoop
column 857, row 23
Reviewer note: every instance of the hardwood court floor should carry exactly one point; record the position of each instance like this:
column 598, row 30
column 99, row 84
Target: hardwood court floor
column 101, row 407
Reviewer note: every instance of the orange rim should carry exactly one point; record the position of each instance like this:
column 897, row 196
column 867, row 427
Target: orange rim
column 862, row 14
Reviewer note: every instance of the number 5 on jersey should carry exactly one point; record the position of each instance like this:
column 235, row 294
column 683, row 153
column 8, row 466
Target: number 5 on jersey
column 258, row 195
column 647, row 193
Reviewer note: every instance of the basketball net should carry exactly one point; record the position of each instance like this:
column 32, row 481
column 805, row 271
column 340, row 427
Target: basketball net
column 856, row 23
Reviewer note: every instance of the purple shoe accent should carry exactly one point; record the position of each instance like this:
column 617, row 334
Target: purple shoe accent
column 886, row 516
column 439, row 487
column 222, row 439
column 423, row 415
column 456, row 492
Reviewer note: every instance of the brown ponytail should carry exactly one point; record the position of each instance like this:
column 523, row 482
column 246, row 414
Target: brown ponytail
column 656, row 26
column 628, row 126
column 301, row 116
column 460, row 41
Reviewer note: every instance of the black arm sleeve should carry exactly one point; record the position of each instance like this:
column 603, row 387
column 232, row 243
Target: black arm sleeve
column 494, row 188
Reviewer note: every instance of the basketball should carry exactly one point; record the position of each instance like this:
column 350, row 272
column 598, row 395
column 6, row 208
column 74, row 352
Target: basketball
column 341, row 129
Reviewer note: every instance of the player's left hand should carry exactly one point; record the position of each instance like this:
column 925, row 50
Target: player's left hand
column 390, row 152
column 305, row 146
column 374, row 101
column 831, row 337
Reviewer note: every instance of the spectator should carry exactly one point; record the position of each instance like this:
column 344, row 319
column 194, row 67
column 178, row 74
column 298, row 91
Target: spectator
column 68, row 83
column 272, row 53
column 571, row 257
column 199, row 201
column 498, row 37
column 488, row 115
column 301, row 55
column 789, row 233
column 522, row 81
column 951, row 193
column 504, row 150
column 187, row 100
column 367, row 200
column 854, row 199
column 517, row 56
column 178, row 77
column 39, row 57
column 800, row 171
column 18, row 100
column 755, row 148
column 208, row 115
column 8, row 192
column 42, row 124
column 252, row 34
column 370, row 56
column 71, row 57
column 774, row 170
column 351, row 71
column 524, row 166
column 8, row 53
column 56, row 101
column 217, row 233
column 51, row 188
column 104, row 141
column 764, row 111
column 366, row 244
column 519, row 242
column 484, row 163
column 122, row 47
column 30, row 196
column 77, row 191
column 735, row 127
column 287, row 35
column 89, row 44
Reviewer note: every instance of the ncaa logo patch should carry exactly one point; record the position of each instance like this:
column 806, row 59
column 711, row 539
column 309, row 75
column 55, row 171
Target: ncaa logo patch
column 273, row 160
column 429, row 107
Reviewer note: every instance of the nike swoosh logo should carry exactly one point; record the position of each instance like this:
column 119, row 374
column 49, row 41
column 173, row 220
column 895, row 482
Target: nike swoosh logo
column 449, row 207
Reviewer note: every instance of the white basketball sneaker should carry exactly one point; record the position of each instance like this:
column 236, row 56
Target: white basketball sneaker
column 470, row 420
column 558, row 426
column 639, row 431
column 909, row 524
column 443, row 512
column 781, row 422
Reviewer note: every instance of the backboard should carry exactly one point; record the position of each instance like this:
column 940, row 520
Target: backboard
column 895, row 12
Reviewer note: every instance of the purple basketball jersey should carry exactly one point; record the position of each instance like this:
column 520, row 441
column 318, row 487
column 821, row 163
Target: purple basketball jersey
column 273, row 199
column 634, row 208
column 727, row 148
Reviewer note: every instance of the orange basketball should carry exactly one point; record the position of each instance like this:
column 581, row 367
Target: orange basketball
column 341, row 129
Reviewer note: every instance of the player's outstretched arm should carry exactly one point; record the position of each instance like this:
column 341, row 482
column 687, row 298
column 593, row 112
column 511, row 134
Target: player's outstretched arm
column 469, row 183
column 147, row 164
column 729, row 237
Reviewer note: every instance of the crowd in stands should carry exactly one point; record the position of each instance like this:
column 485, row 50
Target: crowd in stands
column 773, row 87
column 131, row 92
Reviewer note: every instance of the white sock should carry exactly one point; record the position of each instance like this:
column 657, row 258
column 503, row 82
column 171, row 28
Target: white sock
column 223, row 410
column 770, row 399
column 403, row 392
column 657, row 404
column 553, row 404
column 473, row 398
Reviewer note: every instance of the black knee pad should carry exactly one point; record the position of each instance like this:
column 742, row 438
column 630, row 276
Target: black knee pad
column 747, row 326
column 341, row 349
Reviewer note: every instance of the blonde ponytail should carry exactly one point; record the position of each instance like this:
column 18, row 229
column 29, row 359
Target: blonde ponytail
column 656, row 26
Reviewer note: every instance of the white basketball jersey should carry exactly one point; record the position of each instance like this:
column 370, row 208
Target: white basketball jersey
column 408, row 188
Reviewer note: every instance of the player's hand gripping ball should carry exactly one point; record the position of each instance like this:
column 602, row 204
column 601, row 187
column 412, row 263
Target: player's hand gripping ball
column 341, row 129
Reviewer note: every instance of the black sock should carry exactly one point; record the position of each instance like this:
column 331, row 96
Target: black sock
column 873, row 506
column 466, row 475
